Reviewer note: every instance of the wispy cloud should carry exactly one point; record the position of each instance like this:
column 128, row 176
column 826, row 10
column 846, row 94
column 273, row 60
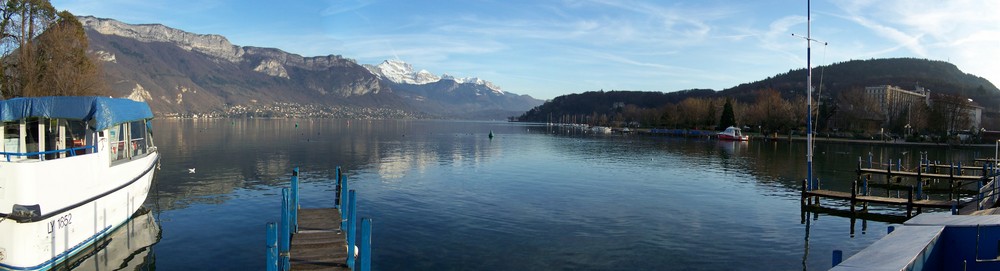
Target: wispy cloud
column 341, row 6
column 575, row 45
column 964, row 32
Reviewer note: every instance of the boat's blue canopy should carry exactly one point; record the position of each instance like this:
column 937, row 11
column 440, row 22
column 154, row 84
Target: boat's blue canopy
column 106, row 112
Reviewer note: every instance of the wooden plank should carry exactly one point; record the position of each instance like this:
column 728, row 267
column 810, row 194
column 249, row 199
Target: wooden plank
column 922, row 175
column 879, row 200
column 954, row 166
column 990, row 211
column 320, row 244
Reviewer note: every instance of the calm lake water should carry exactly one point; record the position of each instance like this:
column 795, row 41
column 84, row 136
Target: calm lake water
column 443, row 196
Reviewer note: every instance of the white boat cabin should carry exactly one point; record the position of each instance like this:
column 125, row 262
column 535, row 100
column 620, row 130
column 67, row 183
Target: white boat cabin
column 40, row 139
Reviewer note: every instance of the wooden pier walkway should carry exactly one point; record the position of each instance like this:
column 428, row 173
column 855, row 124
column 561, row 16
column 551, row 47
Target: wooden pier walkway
column 320, row 243
column 319, row 238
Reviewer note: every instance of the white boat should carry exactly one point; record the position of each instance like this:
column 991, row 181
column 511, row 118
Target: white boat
column 733, row 133
column 601, row 129
column 72, row 170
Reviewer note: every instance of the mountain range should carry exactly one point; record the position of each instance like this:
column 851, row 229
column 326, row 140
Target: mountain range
column 185, row 74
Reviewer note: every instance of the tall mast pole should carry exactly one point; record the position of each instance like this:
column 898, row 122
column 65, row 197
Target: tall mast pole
column 809, row 135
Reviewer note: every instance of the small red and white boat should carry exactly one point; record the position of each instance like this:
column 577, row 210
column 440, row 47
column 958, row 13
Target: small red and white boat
column 733, row 133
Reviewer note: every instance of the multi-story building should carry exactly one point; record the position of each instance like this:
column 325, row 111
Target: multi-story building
column 895, row 101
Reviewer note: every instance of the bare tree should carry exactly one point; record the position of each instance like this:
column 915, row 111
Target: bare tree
column 770, row 111
column 857, row 112
column 44, row 53
column 22, row 22
column 949, row 113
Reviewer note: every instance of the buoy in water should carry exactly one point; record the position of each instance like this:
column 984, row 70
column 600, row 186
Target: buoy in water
column 491, row 134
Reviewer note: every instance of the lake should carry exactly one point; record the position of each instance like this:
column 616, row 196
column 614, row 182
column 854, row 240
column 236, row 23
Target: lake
column 443, row 196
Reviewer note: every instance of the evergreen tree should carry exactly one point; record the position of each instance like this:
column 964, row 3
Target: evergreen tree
column 728, row 117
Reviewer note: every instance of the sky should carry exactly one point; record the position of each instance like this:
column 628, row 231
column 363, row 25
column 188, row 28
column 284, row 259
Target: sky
column 551, row 48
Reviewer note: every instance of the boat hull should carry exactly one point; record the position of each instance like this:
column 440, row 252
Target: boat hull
column 732, row 133
column 67, row 226
column 733, row 138
column 124, row 248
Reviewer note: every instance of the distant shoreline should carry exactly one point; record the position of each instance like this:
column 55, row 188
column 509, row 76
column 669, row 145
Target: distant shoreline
column 897, row 142
column 879, row 142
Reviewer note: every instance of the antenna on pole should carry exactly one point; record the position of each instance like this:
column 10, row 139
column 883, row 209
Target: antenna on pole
column 809, row 133
column 809, row 39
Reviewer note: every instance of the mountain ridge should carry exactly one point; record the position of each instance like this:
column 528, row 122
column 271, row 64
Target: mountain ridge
column 167, row 64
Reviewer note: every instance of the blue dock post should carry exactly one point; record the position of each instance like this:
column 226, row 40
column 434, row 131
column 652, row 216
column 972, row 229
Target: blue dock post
column 351, row 227
column 870, row 160
column 284, row 230
column 343, row 195
column 979, row 196
column 272, row 247
column 867, row 177
column 294, row 219
column 920, row 189
column 365, row 255
column 336, row 203
column 838, row 256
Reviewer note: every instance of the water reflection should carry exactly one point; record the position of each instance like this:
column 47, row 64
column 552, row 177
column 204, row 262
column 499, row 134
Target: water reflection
column 127, row 248
column 551, row 197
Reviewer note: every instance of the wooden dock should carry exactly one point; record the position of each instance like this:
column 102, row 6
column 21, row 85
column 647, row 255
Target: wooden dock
column 982, row 198
column 320, row 244
column 319, row 238
column 921, row 175
column 925, row 203
column 810, row 198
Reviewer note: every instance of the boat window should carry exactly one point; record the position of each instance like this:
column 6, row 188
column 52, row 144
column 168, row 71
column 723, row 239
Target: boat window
column 117, row 140
column 11, row 137
column 52, row 140
column 149, row 133
column 76, row 136
column 31, row 137
column 138, row 137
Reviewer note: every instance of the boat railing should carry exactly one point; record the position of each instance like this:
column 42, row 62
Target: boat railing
column 41, row 154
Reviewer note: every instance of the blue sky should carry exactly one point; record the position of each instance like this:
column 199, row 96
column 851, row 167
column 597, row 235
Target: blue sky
column 550, row 48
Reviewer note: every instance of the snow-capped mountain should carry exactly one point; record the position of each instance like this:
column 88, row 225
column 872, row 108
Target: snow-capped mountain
column 440, row 94
column 401, row 72
column 473, row 80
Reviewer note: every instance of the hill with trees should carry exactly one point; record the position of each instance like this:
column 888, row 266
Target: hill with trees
column 777, row 103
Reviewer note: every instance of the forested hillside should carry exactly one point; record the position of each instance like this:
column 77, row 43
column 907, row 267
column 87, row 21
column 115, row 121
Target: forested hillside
column 938, row 76
column 778, row 103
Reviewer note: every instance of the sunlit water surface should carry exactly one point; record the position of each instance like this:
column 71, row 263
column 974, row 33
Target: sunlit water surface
column 443, row 196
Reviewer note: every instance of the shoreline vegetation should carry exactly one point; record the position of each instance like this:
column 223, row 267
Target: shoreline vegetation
column 816, row 138
column 887, row 141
